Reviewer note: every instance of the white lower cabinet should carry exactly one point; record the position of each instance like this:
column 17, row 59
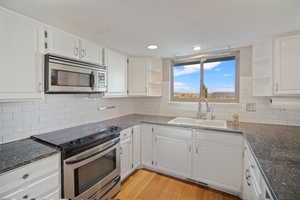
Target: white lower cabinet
column 35, row 181
column 126, row 157
column 130, row 150
column 147, row 146
column 218, row 160
column 136, row 146
column 173, row 150
column 252, row 187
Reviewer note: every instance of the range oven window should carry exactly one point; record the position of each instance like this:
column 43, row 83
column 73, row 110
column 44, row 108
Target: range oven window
column 72, row 79
column 90, row 174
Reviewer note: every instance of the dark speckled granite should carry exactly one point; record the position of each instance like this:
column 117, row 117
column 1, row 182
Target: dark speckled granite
column 22, row 152
column 277, row 150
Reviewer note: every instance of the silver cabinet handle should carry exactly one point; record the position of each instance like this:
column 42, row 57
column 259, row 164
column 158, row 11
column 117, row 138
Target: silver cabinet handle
column 82, row 53
column 76, row 51
column 197, row 151
column 25, row 176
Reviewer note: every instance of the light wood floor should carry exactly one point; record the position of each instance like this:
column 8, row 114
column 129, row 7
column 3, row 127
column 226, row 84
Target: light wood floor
column 147, row 185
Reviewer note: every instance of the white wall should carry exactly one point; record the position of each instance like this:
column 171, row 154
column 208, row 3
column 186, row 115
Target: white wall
column 21, row 120
column 265, row 112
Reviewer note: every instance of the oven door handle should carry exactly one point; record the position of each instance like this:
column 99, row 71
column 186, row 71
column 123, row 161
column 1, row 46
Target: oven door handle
column 71, row 162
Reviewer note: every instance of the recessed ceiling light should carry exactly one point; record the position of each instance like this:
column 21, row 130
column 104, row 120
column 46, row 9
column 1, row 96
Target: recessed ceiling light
column 196, row 48
column 152, row 46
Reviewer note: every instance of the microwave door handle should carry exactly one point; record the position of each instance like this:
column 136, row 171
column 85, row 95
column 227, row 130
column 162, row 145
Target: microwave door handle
column 92, row 80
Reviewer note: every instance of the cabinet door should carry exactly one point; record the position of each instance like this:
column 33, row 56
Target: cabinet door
column 136, row 146
column 89, row 52
column 287, row 68
column 147, row 146
column 126, row 157
column 21, row 62
column 172, row 147
column 262, row 68
column 154, row 77
column 117, row 73
column 218, row 160
column 63, row 44
column 137, row 68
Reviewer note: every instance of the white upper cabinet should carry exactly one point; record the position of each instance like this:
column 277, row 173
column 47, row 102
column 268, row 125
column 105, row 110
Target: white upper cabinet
column 218, row 159
column 117, row 73
column 286, row 65
column 137, row 69
column 173, row 150
column 262, row 68
column 144, row 76
column 20, row 59
column 154, row 77
column 61, row 43
column 89, row 52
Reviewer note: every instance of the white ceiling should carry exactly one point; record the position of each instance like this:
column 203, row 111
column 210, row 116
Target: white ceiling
column 175, row 25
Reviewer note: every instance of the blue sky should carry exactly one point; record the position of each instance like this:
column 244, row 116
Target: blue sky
column 218, row 77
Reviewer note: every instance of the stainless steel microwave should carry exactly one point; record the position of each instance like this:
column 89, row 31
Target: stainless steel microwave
column 63, row 75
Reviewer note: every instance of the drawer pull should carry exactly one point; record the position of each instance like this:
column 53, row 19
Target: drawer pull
column 32, row 199
column 25, row 196
column 25, row 176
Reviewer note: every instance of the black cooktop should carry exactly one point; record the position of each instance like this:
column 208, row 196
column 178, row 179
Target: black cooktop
column 74, row 140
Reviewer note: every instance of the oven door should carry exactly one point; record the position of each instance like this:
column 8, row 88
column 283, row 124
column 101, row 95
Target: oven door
column 93, row 173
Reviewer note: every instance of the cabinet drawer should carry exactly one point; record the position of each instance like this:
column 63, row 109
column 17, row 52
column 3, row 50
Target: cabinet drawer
column 253, row 166
column 175, row 132
column 125, row 134
column 36, row 190
column 29, row 173
column 55, row 195
column 220, row 137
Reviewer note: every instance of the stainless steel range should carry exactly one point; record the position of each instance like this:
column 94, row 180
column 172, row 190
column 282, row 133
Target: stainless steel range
column 90, row 161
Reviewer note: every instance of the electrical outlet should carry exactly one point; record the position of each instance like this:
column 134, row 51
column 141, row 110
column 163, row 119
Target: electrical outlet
column 250, row 107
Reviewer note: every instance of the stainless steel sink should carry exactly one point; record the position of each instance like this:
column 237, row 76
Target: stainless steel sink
column 199, row 122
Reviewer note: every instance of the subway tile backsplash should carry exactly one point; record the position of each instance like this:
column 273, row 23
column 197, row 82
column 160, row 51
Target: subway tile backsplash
column 21, row 120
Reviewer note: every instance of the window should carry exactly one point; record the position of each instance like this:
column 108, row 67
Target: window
column 213, row 78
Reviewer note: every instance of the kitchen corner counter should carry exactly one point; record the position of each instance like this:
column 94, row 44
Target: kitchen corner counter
column 22, row 152
column 277, row 151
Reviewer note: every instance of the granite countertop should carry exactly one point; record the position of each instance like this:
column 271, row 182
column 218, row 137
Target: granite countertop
column 22, row 152
column 277, row 151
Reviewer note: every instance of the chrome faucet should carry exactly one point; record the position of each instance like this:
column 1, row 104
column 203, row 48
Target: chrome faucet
column 200, row 114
